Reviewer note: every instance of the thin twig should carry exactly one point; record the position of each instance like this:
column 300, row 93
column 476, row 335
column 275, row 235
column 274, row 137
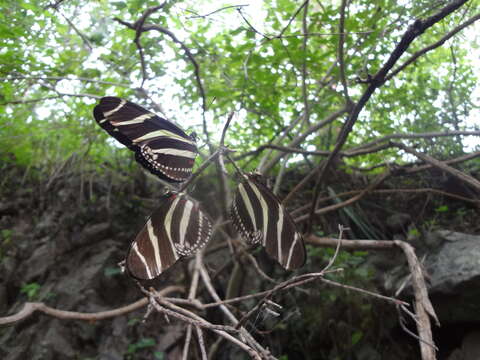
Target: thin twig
column 376, row 182
column 414, row 31
column 202, row 167
column 440, row 42
column 186, row 344
column 441, row 165
column 341, row 58
column 216, row 11
column 201, row 343
column 59, row 78
column 30, row 307
column 291, row 19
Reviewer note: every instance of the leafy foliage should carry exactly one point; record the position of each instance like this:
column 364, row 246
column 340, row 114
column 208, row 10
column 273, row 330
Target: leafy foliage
column 277, row 66
column 55, row 65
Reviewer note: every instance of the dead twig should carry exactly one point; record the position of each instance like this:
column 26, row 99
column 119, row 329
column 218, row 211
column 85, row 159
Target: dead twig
column 441, row 165
column 31, row 307
column 376, row 81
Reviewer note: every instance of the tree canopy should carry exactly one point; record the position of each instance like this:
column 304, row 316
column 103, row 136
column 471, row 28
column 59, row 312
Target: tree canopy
column 291, row 66
column 319, row 93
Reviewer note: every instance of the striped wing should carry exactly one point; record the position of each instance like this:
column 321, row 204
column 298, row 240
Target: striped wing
column 178, row 228
column 260, row 218
column 160, row 146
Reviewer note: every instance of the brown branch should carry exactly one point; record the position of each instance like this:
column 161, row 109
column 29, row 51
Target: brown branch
column 440, row 42
column 414, row 31
column 59, row 78
column 168, row 308
column 30, row 307
column 214, row 12
column 427, row 135
column 330, row 118
column 306, row 109
column 423, row 306
column 449, row 162
column 201, row 343
column 248, row 337
column 441, row 165
column 202, row 167
column 413, row 168
column 380, row 178
column 54, row 6
column 367, row 148
column 239, row 10
column 350, row 244
column 28, row 101
column 186, row 345
column 384, row 191
column 140, row 27
column 224, row 190
column 60, row 95
column 305, row 3
column 79, row 33
column 341, row 59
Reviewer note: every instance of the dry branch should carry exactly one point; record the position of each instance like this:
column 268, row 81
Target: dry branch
column 423, row 306
column 380, row 178
column 376, row 81
column 30, row 307
column 441, row 165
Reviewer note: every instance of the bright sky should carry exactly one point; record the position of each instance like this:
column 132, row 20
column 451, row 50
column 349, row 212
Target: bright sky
column 253, row 11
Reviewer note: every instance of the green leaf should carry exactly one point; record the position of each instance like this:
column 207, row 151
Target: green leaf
column 356, row 337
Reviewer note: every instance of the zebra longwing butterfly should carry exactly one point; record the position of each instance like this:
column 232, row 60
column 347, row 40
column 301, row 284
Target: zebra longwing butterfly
column 259, row 217
column 159, row 145
column 176, row 229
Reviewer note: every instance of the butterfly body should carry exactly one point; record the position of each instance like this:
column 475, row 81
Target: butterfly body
column 261, row 219
column 159, row 145
column 176, row 229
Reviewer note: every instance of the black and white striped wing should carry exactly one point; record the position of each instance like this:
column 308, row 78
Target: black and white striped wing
column 176, row 229
column 160, row 146
column 260, row 218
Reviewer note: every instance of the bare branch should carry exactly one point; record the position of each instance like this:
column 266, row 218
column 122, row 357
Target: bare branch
column 362, row 149
column 139, row 26
column 330, row 118
column 380, row 191
column 60, row 95
column 306, row 109
column 341, row 59
column 441, row 165
column 305, row 3
column 414, row 31
column 59, row 78
column 215, row 11
column 440, row 42
column 380, row 178
column 29, row 308
column 423, row 306
column 427, row 135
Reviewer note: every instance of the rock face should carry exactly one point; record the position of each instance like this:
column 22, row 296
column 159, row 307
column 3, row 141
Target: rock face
column 470, row 349
column 456, row 265
column 455, row 277
column 67, row 255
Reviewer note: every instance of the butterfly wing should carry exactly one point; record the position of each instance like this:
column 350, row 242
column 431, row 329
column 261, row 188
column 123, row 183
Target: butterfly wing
column 160, row 146
column 176, row 229
column 260, row 218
